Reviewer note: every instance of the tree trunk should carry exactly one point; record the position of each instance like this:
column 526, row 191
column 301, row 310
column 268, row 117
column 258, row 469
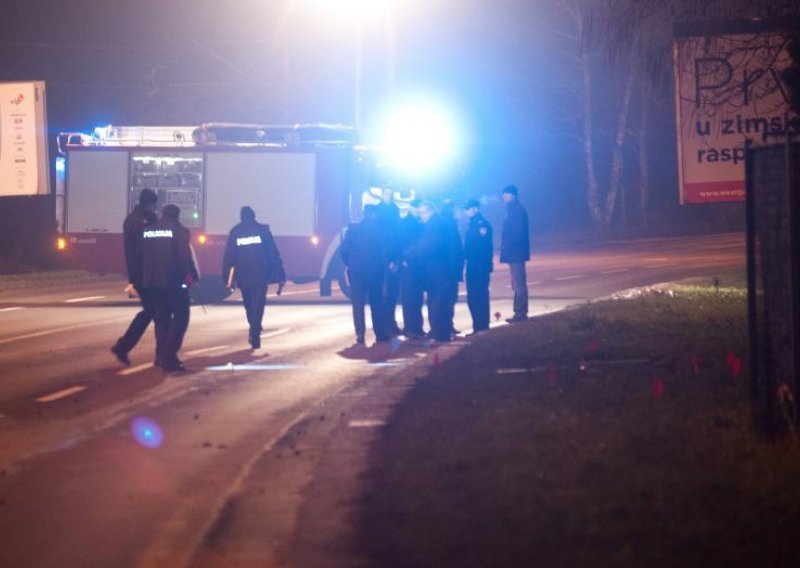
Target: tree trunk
column 592, row 198
column 618, row 155
column 644, row 160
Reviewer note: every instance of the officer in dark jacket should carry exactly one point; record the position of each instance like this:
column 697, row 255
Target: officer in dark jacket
column 478, row 255
column 455, row 256
column 412, row 287
column 388, row 217
column 515, row 250
column 431, row 252
column 168, row 271
column 365, row 259
column 253, row 257
column 143, row 215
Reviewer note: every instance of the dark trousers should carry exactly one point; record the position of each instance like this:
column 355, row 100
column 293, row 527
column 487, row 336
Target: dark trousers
column 390, row 297
column 452, row 300
column 478, row 298
column 412, row 295
column 139, row 324
column 254, row 299
column 519, row 282
column 366, row 287
column 439, row 286
column 172, row 320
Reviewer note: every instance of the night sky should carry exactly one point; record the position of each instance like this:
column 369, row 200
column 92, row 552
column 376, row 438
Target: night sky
column 503, row 67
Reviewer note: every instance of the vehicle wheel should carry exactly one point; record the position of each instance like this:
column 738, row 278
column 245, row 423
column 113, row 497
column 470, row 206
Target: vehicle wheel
column 336, row 271
column 209, row 290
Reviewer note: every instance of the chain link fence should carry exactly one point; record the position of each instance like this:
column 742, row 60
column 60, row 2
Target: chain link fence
column 773, row 250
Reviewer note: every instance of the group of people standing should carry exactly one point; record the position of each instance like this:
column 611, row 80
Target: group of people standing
column 391, row 257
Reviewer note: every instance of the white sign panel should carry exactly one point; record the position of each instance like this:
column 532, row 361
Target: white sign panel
column 23, row 142
column 728, row 90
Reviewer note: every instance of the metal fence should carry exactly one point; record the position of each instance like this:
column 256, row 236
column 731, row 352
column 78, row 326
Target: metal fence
column 773, row 251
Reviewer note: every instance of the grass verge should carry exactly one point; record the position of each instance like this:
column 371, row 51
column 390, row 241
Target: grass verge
column 616, row 434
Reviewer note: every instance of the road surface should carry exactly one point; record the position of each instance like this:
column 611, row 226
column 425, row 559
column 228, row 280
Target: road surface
column 104, row 465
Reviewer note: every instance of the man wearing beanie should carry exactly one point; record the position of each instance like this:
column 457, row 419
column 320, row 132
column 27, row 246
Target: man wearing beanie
column 143, row 215
column 515, row 250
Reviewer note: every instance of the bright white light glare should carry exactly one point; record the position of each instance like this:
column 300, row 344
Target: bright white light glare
column 353, row 10
column 419, row 137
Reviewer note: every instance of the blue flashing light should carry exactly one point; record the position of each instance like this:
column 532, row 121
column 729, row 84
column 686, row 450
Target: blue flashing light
column 420, row 136
column 61, row 165
column 147, row 432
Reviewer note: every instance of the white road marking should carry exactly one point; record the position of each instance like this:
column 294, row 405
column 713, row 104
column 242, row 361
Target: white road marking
column 86, row 299
column 534, row 283
column 58, row 330
column 136, row 369
column 658, row 266
column 145, row 366
column 61, row 394
column 275, row 333
column 12, row 309
column 615, row 271
column 511, row 371
column 656, row 259
column 367, row 423
column 573, row 277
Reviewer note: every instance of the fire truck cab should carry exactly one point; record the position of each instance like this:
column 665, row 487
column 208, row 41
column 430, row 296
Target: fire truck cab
column 305, row 181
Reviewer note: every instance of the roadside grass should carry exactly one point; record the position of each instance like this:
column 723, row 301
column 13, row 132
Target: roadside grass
column 627, row 441
column 52, row 278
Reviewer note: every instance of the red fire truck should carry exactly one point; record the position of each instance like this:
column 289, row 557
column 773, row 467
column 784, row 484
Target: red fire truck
column 306, row 182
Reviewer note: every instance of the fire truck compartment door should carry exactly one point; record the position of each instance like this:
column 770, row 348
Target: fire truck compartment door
column 97, row 191
column 279, row 186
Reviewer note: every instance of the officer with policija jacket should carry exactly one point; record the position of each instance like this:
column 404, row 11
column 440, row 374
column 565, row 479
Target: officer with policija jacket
column 478, row 256
column 168, row 270
column 143, row 215
column 252, row 262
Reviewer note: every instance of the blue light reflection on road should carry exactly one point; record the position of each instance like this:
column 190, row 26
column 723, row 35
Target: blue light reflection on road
column 147, row 432
column 253, row 367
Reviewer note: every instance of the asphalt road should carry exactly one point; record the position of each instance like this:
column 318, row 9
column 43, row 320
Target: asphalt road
column 78, row 487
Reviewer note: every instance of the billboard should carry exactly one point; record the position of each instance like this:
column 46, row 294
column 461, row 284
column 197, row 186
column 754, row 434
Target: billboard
column 23, row 139
column 727, row 90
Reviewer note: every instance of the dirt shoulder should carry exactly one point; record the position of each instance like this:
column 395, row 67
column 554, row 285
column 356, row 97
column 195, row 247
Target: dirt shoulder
column 616, row 434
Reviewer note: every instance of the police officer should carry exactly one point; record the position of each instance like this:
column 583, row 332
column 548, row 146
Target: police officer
column 412, row 289
column 143, row 215
column 431, row 252
column 168, row 271
column 363, row 254
column 478, row 257
column 252, row 261
column 455, row 257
